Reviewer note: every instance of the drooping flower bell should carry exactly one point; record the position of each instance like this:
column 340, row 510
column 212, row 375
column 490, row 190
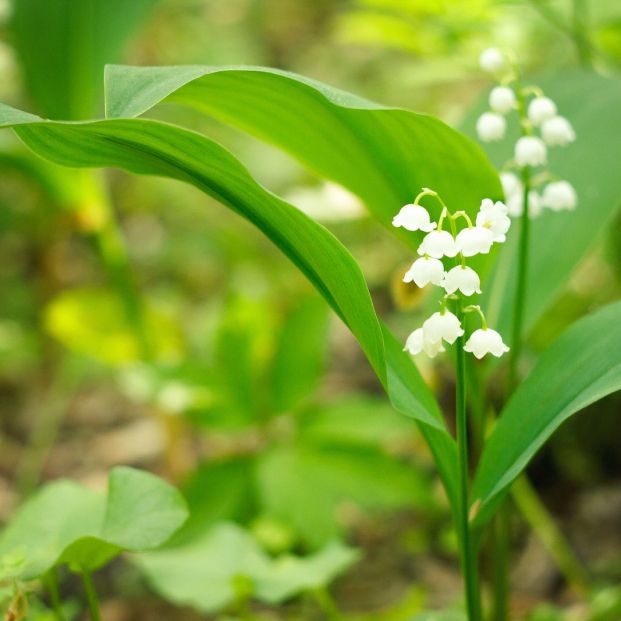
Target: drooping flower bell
column 442, row 326
column 530, row 151
column 557, row 131
column 416, row 343
column 493, row 216
column 541, row 109
column 491, row 127
column 474, row 240
column 502, row 99
column 414, row 218
column 424, row 271
column 492, row 60
column 462, row 278
column 485, row 341
column 559, row 195
column 438, row 244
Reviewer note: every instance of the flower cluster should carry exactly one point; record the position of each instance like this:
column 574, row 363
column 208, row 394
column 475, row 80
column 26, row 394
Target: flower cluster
column 542, row 127
column 460, row 281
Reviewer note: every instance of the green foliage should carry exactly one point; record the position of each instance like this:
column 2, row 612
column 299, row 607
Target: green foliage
column 67, row 523
column 581, row 367
column 93, row 322
column 74, row 40
column 593, row 103
column 149, row 147
column 224, row 564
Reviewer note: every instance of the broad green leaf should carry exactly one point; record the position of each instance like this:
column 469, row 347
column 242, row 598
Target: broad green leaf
column 593, row 105
column 211, row 571
column 582, row 366
column 384, row 155
column 63, row 46
column 300, row 353
column 68, row 523
column 310, row 486
column 94, row 322
column 150, row 147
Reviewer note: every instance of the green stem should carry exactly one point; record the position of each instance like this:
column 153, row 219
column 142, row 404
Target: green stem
column 468, row 549
column 51, row 582
column 537, row 515
column 91, row 596
column 520, row 288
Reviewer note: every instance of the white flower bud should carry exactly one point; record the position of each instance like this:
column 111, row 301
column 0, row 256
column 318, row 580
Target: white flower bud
column 559, row 195
column 442, row 326
column 492, row 60
column 530, row 151
column 511, row 184
column 557, row 131
column 491, row 127
column 474, row 240
column 515, row 204
column 438, row 244
column 502, row 99
column 414, row 218
column 485, row 341
column 493, row 216
column 463, row 278
column 541, row 109
column 417, row 342
column 424, row 271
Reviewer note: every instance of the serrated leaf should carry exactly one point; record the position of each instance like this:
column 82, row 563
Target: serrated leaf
column 581, row 367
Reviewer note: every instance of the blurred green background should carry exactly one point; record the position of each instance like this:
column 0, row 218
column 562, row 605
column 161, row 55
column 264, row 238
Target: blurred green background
column 142, row 323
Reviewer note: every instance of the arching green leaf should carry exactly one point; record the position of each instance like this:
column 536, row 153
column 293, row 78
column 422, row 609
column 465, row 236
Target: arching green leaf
column 582, row 366
column 150, row 147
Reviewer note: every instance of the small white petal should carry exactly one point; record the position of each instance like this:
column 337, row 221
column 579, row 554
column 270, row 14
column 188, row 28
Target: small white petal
column 557, row 131
column 493, row 216
column 438, row 244
column 414, row 218
column 424, row 271
column 463, row 278
column 502, row 99
column 442, row 326
column 485, row 341
column 416, row 343
column 511, row 184
column 559, row 195
column 492, row 60
column 541, row 109
column 530, row 151
column 474, row 240
column 491, row 127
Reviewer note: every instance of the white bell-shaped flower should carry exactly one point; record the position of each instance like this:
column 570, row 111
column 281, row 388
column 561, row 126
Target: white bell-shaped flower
column 442, row 326
column 474, row 240
column 462, row 278
column 541, row 109
column 485, row 341
column 424, row 271
column 515, row 204
column 493, row 216
column 502, row 99
column 511, row 184
column 491, row 127
column 414, row 218
column 492, row 60
column 559, row 195
column 438, row 244
column 530, row 151
column 417, row 342
column 557, row 131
